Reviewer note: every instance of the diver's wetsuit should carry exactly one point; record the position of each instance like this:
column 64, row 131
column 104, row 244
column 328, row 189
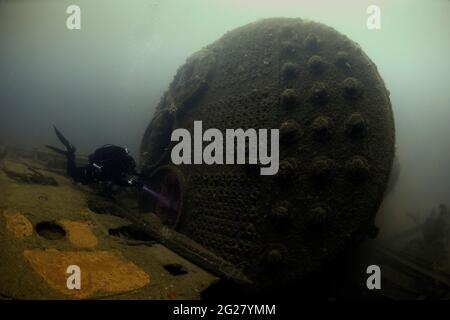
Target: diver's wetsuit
column 107, row 164
column 84, row 175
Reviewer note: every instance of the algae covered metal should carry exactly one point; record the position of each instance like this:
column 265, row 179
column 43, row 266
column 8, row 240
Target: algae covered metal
column 336, row 148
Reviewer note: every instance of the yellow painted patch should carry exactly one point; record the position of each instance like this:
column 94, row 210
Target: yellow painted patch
column 18, row 224
column 101, row 271
column 80, row 234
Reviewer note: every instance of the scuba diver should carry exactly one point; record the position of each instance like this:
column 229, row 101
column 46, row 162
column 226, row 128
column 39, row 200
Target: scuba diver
column 109, row 165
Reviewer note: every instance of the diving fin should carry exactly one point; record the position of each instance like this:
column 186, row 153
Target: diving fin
column 70, row 148
column 57, row 150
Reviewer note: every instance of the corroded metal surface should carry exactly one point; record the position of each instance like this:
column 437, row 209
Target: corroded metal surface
column 336, row 149
column 46, row 228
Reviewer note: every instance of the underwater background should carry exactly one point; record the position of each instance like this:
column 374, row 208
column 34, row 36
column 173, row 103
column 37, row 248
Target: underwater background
column 101, row 84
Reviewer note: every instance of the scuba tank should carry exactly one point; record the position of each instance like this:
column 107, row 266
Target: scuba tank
column 113, row 160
